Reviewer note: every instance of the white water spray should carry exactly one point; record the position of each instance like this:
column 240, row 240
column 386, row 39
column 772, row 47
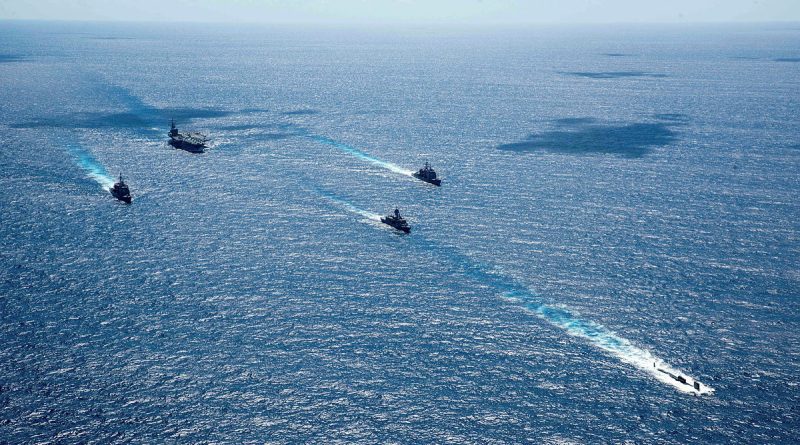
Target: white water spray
column 92, row 166
column 596, row 334
column 349, row 207
column 603, row 338
column 363, row 156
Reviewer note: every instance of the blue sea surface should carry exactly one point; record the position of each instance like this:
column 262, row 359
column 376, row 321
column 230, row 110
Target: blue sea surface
column 618, row 204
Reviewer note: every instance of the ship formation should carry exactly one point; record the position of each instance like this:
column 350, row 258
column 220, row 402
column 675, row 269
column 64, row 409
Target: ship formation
column 197, row 143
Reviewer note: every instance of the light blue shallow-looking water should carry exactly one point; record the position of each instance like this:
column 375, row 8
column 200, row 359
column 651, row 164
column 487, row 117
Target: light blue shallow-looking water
column 613, row 199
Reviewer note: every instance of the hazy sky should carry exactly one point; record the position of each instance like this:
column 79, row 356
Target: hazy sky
column 406, row 11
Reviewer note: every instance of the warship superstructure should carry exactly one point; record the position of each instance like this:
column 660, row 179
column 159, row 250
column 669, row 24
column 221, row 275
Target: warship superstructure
column 428, row 174
column 397, row 221
column 191, row 142
column 121, row 191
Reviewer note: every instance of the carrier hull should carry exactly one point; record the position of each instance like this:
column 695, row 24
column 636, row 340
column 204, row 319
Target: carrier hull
column 188, row 146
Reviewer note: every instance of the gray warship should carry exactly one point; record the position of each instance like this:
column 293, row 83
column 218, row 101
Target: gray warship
column 191, row 142
column 121, row 191
column 428, row 175
column 397, row 221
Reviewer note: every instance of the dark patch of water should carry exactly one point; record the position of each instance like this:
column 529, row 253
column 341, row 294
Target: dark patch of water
column 10, row 58
column 300, row 112
column 613, row 74
column 141, row 119
column 585, row 136
column 672, row 117
column 575, row 121
column 110, row 38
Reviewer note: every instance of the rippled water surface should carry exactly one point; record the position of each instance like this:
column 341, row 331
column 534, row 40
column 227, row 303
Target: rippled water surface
column 619, row 208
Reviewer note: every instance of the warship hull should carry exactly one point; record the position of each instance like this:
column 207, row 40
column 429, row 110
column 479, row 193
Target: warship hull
column 404, row 229
column 436, row 182
column 188, row 146
column 124, row 198
column 121, row 191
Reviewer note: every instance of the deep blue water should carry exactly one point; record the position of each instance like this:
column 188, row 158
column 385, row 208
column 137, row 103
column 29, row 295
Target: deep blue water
column 612, row 197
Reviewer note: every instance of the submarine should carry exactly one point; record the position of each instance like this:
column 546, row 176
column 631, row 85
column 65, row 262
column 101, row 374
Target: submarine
column 397, row 221
column 679, row 378
column 121, row 191
column 427, row 174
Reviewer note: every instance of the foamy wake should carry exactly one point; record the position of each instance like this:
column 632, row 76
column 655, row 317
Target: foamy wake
column 363, row 156
column 601, row 337
column 362, row 212
column 92, row 166
column 348, row 206
column 597, row 334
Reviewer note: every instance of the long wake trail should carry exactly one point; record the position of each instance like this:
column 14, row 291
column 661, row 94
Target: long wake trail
column 565, row 319
column 342, row 203
column 571, row 323
column 93, row 168
column 595, row 333
column 361, row 155
column 603, row 338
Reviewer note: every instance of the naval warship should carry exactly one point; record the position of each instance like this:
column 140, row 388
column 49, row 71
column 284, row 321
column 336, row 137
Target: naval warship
column 397, row 222
column 121, row 191
column 428, row 175
column 191, row 142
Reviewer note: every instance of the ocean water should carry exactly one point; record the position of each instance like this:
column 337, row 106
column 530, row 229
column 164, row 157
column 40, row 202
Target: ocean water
column 616, row 200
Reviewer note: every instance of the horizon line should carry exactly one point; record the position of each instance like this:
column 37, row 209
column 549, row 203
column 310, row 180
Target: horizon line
column 404, row 23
